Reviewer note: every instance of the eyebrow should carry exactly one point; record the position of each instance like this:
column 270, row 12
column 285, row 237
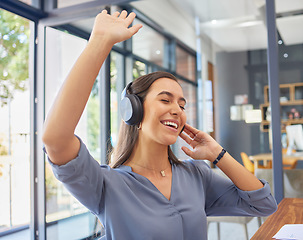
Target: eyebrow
column 171, row 95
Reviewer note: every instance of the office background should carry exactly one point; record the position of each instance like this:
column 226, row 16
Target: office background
column 217, row 49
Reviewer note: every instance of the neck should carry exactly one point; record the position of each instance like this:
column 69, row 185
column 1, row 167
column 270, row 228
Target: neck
column 150, row 155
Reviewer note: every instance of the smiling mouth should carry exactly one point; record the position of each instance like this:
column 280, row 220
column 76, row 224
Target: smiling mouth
column 170, row 124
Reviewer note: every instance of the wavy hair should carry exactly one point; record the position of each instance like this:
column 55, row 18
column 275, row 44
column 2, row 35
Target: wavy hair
column 128, row 135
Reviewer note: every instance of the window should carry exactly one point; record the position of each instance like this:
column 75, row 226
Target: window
column 14, row 122
column 189, row 92
column 209, row 106
column 33, row 3
column 68, row 3
column 65, row 217
column 185, row 64
column 139, row 69
column 150, row 45
column 63, row 211
column 117, row 81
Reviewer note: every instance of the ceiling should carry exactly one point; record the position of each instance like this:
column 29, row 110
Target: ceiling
column 233, row 25
column 236, row 25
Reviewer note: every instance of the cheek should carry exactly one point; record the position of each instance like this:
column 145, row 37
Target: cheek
column 151, row 113
column 184, row 117
column 151, row 110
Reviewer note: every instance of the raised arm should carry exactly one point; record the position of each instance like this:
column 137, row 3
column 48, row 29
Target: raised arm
column 58, row 135
column 205, row 147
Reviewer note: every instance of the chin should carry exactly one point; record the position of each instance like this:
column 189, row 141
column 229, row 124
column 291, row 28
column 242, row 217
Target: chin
column 170, row 141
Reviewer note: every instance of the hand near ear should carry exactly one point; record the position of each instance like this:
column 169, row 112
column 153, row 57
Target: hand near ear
column 204, row 146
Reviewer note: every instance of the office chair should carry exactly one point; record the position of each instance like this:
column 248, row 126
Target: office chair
column 240, row 220
column 293, row 181
column 249, row 165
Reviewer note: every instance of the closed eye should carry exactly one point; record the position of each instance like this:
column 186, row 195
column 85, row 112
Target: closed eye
column 183, row 108
column 165, row 100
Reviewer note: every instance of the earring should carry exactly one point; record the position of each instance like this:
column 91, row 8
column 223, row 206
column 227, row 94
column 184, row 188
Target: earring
column 139, row 126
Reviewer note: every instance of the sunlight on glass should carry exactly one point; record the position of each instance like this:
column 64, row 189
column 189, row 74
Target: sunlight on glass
column 14, row 122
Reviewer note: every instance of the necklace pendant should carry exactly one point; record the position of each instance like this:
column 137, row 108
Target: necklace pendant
column 162, row 173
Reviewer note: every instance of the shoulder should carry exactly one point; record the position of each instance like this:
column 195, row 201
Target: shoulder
column 83, row 165
column 196, row 167
column 196, row 164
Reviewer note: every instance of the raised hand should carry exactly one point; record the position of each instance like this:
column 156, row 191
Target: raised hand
column 58, row 135
column 204, row 146
column 114, row 28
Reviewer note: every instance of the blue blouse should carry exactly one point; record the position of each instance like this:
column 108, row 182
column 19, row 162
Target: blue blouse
column 131, row 208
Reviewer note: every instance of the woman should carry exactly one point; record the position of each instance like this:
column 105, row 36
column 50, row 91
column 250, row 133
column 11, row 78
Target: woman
column 147, row 193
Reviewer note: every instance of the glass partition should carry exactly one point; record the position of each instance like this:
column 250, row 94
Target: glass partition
column 235, row 86
column 139, row 69
column 33, row 3
column 117, row 85
column 239, row 59
column 241, row 100
column 185, row 64
column 290, row 55
column 14, row 123
column 68, row 3
column 63, row 211
column 150, row 45
column 190, row 94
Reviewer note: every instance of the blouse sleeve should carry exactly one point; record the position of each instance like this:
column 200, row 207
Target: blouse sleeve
column 84, row 178
column 223, row 198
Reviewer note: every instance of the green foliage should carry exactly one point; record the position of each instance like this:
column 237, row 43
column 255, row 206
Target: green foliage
column 50, row 183
column 93, row 123
column 138, row 69
column 113, row 71
column 3, row 148
column 14, row 54
column 3, row 151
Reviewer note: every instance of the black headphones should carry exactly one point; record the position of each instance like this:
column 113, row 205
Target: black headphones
column 131, row 108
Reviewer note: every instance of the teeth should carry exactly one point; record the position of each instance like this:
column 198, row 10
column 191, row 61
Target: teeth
column 173, row 124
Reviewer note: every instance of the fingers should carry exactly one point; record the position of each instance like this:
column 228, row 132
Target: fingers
column 185, row 138
column 117, row 25
column 134, row 29
column 187, row 151
column 188, row 128
column 123, row 14
column 116, row 14
column 190, row 131
column 130, row 18
column 192, row 142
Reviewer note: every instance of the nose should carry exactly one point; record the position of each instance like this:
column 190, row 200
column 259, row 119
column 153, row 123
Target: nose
column 175, row 109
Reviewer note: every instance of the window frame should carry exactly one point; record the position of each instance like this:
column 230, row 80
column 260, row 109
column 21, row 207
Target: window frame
column 40, row 21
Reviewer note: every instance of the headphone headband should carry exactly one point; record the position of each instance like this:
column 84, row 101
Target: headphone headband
column 126, row 90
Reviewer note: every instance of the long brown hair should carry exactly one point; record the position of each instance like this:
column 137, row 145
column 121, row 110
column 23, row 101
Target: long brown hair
column 128, row 135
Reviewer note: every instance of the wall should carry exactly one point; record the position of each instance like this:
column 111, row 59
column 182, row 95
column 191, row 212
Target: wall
column 231, row 80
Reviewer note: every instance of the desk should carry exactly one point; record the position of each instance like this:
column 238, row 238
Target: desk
column 290, row 211
column 267, row 157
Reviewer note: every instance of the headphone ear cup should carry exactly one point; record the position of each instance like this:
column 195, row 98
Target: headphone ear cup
column 131, row 109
